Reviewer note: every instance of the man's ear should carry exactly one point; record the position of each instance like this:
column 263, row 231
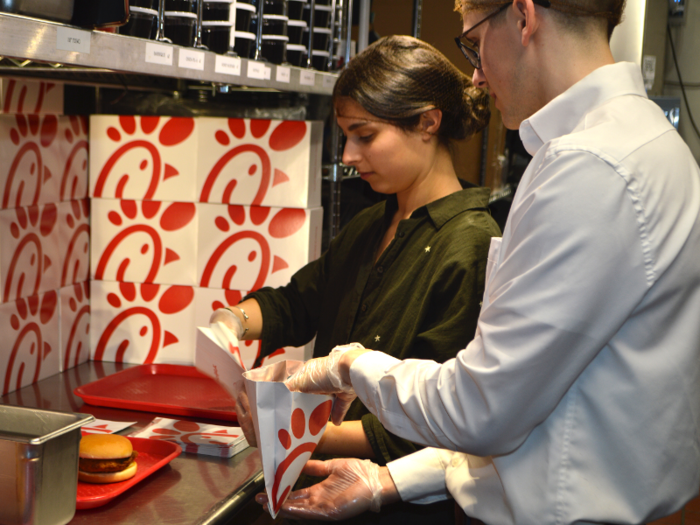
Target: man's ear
column 527, row 18
column 430, row 121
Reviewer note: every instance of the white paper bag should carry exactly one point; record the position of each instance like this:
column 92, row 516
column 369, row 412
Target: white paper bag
column 288, row 426
column 218, row 356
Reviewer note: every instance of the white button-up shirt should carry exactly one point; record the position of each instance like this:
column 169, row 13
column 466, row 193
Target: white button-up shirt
column 578, row 400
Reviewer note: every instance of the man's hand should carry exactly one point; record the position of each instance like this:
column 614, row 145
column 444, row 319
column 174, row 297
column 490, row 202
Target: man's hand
column 329, row 375
column 351, row 487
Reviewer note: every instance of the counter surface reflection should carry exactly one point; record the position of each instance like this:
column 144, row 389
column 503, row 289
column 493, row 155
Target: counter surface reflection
column 191, row 489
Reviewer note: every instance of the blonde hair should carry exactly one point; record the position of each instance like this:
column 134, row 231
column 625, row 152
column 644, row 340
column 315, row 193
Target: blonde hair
column 571, row 10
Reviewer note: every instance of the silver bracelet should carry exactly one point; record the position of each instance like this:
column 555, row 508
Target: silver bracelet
column 245, row 318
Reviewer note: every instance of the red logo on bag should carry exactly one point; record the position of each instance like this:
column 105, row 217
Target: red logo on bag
column 174, row 300
column 29, row 344
column 175, row 131
column 285, row 136
column 284, row 223
column 317, row 420
column 32, row 134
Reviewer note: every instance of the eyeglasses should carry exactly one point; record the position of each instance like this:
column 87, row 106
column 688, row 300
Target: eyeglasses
column 469, row 50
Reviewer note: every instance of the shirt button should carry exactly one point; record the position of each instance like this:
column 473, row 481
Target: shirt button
column 380, row 269
column 364, row 308
column 400, row 235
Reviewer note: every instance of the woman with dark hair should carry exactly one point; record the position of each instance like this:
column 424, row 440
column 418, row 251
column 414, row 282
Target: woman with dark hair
column 407, row 275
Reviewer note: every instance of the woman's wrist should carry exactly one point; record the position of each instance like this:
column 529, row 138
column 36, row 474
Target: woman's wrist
column 390, row 493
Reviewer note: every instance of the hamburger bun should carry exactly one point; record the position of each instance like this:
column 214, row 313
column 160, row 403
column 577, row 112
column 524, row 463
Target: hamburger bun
column 108, row 477
column 106, row 458
column 105, row 446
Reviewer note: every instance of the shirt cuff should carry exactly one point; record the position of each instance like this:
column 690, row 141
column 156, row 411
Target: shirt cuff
column 420, row 477
column 365, row 373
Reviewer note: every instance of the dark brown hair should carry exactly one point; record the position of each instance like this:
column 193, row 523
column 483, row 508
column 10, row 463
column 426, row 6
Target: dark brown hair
column 571, row 11
column 399, row 77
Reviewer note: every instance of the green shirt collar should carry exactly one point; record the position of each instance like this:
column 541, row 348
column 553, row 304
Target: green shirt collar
column 443, row 210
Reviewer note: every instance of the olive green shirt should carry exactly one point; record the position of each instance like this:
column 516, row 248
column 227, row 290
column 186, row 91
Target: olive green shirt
column 420, row 300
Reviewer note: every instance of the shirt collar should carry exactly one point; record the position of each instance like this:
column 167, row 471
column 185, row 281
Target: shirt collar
column 563, row 113
column 446, row 208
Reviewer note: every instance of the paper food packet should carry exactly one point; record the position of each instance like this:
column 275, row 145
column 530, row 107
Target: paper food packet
column 288, row 426
column 217, row 355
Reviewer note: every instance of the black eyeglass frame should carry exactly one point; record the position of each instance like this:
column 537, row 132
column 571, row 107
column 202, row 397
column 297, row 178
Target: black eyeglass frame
column 472, row 55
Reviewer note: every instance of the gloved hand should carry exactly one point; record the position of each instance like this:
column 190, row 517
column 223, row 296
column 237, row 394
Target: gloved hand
column 245, row 418
column 228, row 319
column 352, row 486
column 322, row 376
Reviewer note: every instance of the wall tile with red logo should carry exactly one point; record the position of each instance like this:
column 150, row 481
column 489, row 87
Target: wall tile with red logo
column 150, row 158
column 30, row 97
column 74, row 319
column 30, row 261
column 142, row 323
column 248, row 247
column 72, row 138
column 74, row 240
column 31, row 159
column 259, row 162
column 143, row 241
column 207, row 300
column 29, row 347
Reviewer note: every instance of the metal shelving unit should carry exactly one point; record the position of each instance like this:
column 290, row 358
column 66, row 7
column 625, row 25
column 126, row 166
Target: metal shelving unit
column 40, row 40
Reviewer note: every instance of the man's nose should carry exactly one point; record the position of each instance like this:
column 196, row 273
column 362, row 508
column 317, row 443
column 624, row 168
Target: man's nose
column 479, row 80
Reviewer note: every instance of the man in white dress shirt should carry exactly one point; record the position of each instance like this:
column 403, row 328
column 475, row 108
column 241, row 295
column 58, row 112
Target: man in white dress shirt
column 578, row 401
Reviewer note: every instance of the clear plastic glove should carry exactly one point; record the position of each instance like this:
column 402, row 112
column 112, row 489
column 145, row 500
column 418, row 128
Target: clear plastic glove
column 352, row 486
column 245, row 418
column 322, row 376
column 229, row 320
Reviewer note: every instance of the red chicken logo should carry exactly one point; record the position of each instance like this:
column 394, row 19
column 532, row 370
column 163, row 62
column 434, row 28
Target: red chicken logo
column 29, row 349
column 151, row 335
column 151, row 166
column 28, row 173
column 283, row 223
column 231, row 166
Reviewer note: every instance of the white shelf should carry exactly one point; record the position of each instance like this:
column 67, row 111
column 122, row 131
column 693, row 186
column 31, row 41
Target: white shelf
column 40, row 40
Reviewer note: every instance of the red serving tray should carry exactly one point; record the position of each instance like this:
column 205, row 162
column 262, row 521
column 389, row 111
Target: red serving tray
column 153, row 454
column 164, row 389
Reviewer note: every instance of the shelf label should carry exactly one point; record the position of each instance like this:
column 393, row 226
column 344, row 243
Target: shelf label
column 284, row 75
column 159, row 54
column 328, row 81
column 69, row 39
column 307, row 78
column 256, row 70
column 191, row 59
column 227, row 65
column 268, row 73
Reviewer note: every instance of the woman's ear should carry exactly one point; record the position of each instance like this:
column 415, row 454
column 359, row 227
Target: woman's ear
column 430, row 122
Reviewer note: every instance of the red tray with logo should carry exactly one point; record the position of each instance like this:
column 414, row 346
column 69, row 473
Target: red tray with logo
column 164, row 389
column 153, row 454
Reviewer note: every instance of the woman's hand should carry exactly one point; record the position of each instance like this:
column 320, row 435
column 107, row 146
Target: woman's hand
column 329, row 375
column 351, row 487
column 229, row 320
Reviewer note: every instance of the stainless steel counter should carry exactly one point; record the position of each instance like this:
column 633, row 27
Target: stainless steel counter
column 191, row 489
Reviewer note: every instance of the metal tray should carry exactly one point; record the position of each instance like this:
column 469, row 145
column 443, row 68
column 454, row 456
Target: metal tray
column 164, row 389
